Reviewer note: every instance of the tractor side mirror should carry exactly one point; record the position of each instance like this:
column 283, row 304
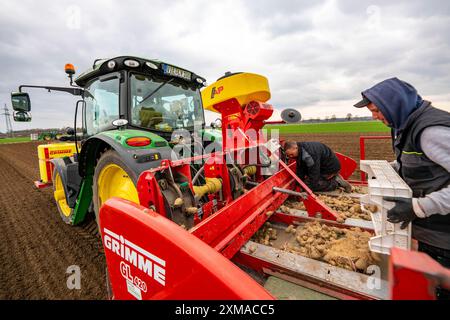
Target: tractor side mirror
column 21, row 102
column 70, row 131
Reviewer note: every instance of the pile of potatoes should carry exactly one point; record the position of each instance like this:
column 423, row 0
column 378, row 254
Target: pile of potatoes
column 345, row 248
column 345, row 207
column 291, row 204
column 356, row 189
column 265, row 235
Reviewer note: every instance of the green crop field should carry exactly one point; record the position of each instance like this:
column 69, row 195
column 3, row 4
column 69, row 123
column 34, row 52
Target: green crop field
column 14, row 140
column 332, row 127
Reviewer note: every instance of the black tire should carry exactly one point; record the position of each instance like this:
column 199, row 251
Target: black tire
column 109, row 157
column 66, row 219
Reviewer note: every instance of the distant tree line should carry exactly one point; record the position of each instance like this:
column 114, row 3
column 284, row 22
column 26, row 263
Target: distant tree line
column 333, row 118
column 26, row 133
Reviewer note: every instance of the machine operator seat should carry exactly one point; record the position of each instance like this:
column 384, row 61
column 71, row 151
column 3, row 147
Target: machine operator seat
column 149, row 117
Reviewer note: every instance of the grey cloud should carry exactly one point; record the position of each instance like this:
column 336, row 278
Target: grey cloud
column 415, row 8
column 284, row 18
column 311, row 51
column 266, row 8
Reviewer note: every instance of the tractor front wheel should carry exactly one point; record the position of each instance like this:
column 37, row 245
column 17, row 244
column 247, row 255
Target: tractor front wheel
column 112, row 178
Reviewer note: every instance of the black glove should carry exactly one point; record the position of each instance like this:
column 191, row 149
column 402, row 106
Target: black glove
column 402, row 211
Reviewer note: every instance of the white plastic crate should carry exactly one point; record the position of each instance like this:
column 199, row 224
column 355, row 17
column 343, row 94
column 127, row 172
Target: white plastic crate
column 384, row 181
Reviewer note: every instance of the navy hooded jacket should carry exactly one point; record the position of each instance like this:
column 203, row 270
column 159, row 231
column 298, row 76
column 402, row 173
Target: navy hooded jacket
column 396, row 99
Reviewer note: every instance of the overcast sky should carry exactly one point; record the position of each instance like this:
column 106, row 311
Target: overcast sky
column 317, row 55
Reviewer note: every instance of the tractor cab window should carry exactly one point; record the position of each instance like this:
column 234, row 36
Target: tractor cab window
column 164, row 105
column 102, row 105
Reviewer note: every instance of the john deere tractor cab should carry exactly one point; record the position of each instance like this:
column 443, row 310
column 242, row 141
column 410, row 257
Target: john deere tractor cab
column 130, row 109
column 148, row 94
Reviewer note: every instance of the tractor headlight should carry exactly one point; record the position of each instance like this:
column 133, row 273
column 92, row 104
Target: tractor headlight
column 201, row 81
column 111, row 64
column 151, row 65
column 131, row 63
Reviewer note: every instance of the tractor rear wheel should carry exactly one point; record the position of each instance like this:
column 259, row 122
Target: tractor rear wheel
column 113, row 178
column 59, row 194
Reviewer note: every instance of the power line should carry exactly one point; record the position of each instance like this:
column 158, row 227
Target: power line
column 8, row 121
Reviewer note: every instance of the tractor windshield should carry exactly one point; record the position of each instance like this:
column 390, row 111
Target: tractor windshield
column 164, row 105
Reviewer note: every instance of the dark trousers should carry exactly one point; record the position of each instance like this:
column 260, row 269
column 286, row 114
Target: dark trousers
column 326, row 182
column 443, row 257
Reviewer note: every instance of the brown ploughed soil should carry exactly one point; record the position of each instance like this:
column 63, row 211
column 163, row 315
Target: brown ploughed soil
column 36, row 246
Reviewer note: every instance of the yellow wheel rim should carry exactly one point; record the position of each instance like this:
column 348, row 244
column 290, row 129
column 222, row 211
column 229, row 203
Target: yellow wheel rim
column 60, row 196
column 113, row 181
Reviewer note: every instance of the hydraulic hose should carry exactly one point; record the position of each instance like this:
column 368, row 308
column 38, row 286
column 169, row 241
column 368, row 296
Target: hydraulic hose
column 197, row 175
column 249, row 170
column 212, row 185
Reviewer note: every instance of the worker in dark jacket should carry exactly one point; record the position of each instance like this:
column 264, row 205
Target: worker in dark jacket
column 317, row 165
column 421, row 141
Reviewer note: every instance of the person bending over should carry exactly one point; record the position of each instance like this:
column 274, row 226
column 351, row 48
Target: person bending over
column 317, row 165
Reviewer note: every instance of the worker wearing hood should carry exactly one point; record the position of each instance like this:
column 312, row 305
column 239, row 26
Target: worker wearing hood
column 421, row 142
column 395, row 99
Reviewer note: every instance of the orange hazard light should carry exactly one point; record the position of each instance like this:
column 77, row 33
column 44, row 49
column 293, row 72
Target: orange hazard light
column 69, row 68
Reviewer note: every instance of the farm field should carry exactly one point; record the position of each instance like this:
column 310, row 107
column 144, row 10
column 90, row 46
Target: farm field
column 332, row 127
column 14, row 140
column 37, row 247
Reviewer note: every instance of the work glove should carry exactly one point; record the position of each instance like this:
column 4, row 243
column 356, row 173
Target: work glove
column 402, row 211
column 344, row 184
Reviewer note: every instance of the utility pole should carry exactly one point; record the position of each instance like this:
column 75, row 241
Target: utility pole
column 8, row 121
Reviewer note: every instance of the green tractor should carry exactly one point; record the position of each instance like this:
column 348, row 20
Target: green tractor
column 49, row 135
column 134, row 112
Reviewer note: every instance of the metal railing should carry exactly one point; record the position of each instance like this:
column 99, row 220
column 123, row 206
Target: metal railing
column 362, row 149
